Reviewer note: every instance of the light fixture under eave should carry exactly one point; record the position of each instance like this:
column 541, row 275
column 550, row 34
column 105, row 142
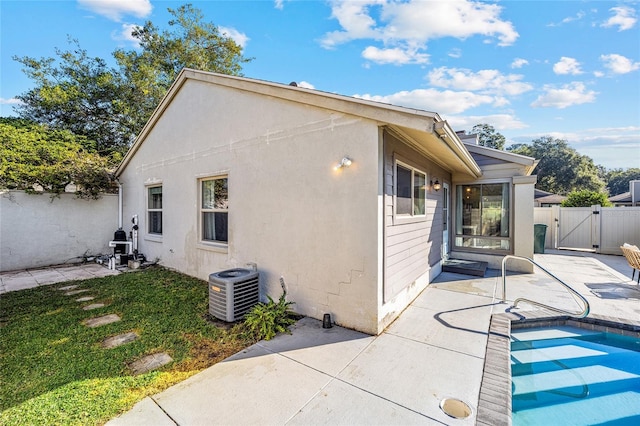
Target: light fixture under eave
column 345, row 162
column 436, row 185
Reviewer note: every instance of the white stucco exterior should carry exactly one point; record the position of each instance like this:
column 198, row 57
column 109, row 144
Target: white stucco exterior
column 322, row 230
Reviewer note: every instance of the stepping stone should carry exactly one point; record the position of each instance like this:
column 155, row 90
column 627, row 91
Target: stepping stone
column 103, row 320
column 85, row 298
column 120, row 339
column 72, row 292
column 68, row 287
column 93, row 306
column 150, row 362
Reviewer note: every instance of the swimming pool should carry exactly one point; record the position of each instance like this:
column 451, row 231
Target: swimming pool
column 574, row 376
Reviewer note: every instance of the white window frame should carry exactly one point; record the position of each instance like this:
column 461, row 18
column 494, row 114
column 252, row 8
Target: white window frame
column 204, row 243
column 457, row 237
column 154, row 210
column 409, row 217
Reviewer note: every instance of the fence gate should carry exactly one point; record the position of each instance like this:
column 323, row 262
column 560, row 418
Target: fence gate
column 595, row 228
column 579, row 228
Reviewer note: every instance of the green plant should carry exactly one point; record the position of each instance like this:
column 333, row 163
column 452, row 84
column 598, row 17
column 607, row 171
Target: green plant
column 586, row 198
column 265, row 320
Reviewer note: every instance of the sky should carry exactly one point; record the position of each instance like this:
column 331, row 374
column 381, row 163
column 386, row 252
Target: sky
column 565, row 69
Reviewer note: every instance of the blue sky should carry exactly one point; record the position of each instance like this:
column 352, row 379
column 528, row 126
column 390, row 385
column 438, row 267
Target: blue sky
column 567, row 69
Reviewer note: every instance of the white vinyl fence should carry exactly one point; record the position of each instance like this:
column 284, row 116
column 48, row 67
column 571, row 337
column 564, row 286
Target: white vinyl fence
column 37, row 230
column 599, row 229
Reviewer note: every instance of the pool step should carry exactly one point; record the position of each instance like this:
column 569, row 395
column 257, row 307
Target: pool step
column 531, row 334
column 567, row 375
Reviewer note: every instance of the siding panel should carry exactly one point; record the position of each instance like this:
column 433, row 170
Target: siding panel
column 411, row 245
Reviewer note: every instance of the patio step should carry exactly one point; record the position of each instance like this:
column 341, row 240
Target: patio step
column 465, row 267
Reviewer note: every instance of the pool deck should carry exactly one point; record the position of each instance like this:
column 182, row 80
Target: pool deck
column 436, row 349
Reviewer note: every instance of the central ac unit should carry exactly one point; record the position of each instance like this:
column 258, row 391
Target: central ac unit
column 232, row 293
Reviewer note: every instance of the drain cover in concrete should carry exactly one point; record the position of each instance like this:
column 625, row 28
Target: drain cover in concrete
column 72, row 292
column 98, row 321
column 93, row 306
column 85, row 298
column 150, row 362
column 120, row 339
column 68, row 287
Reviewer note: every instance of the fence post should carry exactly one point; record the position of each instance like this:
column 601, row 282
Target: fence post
column 556, row 224
column 596, row 218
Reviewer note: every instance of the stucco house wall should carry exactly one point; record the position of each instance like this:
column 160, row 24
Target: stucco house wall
column 37, row 230
column 290, row 212
column 330, row 234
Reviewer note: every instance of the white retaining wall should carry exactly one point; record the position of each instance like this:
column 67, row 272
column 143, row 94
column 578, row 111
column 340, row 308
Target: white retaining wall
column 37, row 230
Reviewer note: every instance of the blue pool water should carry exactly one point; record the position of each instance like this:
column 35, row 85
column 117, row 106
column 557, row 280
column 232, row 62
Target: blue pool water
column 571, row 376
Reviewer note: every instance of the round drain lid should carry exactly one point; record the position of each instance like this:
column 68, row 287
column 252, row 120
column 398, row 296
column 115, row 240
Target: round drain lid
column 455, row 408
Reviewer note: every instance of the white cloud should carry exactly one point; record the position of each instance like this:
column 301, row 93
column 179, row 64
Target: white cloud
column 410, row 25
column 279, row 4
column 241, row 39
column 484, row 81
column 569, row 94
column 394, row 56
column 519, row 63
column 619, row 64
column 125, row 34
column 116, row 9
column 444, row 102
column 567, row 66
column 569, row 19
column 624, row 17
column 455, row 53
column 498, row 121
column 10, row 101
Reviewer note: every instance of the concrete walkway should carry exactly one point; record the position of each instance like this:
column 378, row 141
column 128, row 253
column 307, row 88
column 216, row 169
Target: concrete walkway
column 434, row 350
column 24, row 279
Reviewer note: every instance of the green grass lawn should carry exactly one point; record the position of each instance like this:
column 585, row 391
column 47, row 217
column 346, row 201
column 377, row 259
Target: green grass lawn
column 53, row 369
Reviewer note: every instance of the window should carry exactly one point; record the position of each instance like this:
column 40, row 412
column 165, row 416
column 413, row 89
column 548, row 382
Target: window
column 410, row 191
column 482, row 216
column 154, row 210
column 214, row 210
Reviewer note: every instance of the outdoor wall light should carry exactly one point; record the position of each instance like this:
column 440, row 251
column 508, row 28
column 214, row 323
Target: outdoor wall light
column 345, row 162
column 436, row 185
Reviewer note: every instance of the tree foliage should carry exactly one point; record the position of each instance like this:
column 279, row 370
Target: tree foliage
column 110, row 105
column 586, row 198
column 561, row 169
column 78, row 93
column 618, row 180
column 489, row 137
column 33, row 156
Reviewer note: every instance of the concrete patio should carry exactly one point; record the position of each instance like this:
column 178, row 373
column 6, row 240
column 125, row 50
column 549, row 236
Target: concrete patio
column 434, row 350
column 30, row 278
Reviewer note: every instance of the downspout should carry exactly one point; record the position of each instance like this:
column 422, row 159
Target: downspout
column 120, row 205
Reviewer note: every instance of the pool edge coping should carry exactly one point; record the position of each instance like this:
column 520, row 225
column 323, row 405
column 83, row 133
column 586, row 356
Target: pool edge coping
column 494, row 404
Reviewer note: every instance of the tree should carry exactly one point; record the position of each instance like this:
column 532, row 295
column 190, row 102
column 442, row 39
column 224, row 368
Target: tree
column 111, row 105
column 487, row 136
column 586, row 198
column 33, row 156
column 561, row 169
column 190, row 43
column 76, row 94
column 618, row 180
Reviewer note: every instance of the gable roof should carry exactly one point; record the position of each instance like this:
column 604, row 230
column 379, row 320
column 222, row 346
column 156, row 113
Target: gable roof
column 625, row 197
column 423, row 130
column 498, row 156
